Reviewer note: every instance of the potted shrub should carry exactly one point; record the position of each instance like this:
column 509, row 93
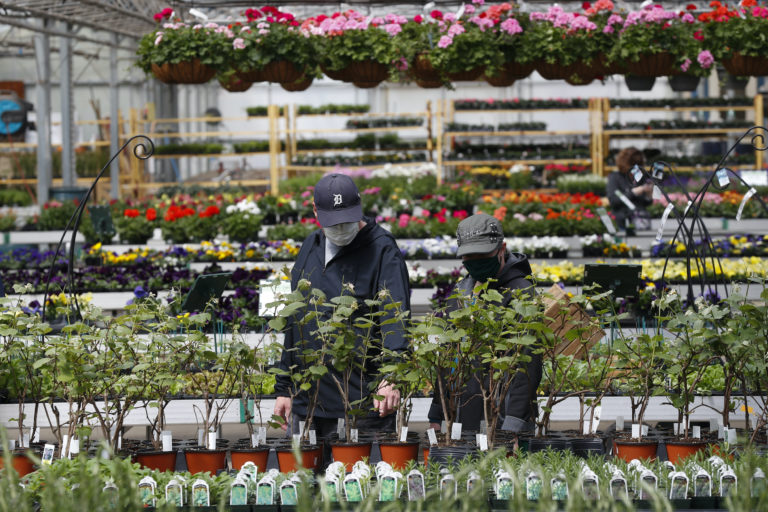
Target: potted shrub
column 183, row 224
column 179, row 52
column 512, row 39
column 592, row 381
column 242, row 222
column 135, row 228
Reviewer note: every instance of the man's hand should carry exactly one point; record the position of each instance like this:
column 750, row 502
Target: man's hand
column 390, row 398
column 283, row 409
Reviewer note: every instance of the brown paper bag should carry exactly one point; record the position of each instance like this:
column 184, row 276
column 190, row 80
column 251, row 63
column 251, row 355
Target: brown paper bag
column 575, row 317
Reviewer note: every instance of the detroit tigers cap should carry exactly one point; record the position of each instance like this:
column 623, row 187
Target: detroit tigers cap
column 337, row 200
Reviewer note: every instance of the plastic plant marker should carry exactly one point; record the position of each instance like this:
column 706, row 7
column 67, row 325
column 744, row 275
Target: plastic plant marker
column 505, row 487
column 265, row 492
column 448, row 487
column 48, row 451
column 590, row 487
column 702, row 484
column 619, row 490
column 758, row 483
column 533, row 486
column 353, row 489
column 728, row 484
column 201, row 496
column 147, row 486
column 678, row 486
column 288, row 493
column 239, row 493
column 174, row 494
column 332, row 488
column 474, row 482
column 651, row 481
column 416, row 490
column 559, row 488
column 388, row 488
column 167, row 438
column 111, row 495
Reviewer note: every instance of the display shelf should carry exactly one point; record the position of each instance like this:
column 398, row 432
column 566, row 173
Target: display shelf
column 366, row 114
column 540, row 161
column 209, row 155
column 316, row 168
column 669, row 131
column 740, row 108
column 518, row 110
column 516, row 133
column 355, row 130
column 357, row 150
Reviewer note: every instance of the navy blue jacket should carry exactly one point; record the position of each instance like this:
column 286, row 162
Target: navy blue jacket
column 371, row 262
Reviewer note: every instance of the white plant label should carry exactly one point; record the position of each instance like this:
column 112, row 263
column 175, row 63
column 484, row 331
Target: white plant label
column 606, row 220
column 731, row 435
column 301, row 428
column 676, row 428
column 34, row 435
column 637, row 173
column 722, row 177
column 619, row 423
column 460, row 12
column 254, row 440
column 64, row 452
column 74, row 447
column 635, row 431
column 428, row 6
column 262, row 435
column 644, row 429
column 312, row 437
column 696, row 432
column 296, row 439
column 353, row 435
column 432, row 437
column 25, row 441
column 624, row 199
column 746, row 198
column 11, row 444
column 483, row 438
column 456, row 431
column 200, row 436
column 687, row 206
column 664, row 218
column 48, row 454
column 656, row 195
column 598, row 410
column 211, row 440
column 341, row 430
column 720, row 432
column 403, row 434
column 713, row 424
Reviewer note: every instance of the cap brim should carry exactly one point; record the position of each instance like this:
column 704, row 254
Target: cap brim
column 477, row 248
column 329, row 218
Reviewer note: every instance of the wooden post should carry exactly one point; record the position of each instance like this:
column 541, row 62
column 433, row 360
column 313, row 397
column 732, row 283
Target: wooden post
column 274, row 148
column 135, row 162
column 597, row 148
column 429, row 131
column 759, row 121
column 439, row 142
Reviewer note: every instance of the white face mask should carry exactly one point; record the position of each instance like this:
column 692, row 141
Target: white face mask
column 342, row 234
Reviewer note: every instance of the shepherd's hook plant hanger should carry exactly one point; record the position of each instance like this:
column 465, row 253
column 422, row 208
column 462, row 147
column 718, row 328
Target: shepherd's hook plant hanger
column 143, row 149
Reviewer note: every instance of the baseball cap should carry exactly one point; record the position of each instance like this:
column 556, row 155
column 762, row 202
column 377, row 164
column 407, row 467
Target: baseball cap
column 337, row 200
column 479, row 234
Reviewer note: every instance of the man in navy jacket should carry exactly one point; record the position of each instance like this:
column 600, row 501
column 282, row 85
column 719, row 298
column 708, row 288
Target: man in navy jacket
column 349, row 250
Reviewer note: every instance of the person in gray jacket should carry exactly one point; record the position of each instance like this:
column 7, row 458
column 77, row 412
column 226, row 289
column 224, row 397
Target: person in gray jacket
column 484, row 254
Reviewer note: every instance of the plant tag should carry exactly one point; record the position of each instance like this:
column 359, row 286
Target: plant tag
column 644, row 430
column 254, row 440
column 678, row 486
column 110, row 493
column 505, row 487
column 388, row 488
column 403, row 434
column 200, row 437
column 296, row 439
column 262, row 435
column 353, row 489
column 648, row 482
column 64, row 451
column 590, row 487
column 174, row 493
column 415, row 481
column 656, row 195
column 238, row 493
column 696, row 432
column 559, row 487
column 658, row 171
column 474, row 482
column 211, row 440
column 288, row 493
column 728, row 483
column 382, row 468
column 744, row 200
column 331, row 488
column 596, row 413
column 533, row 487
column 702, row 484
column 483, row 442
column 147, row 486
column 167, row 437
column 25, row 440
column 312, row 437
column 74, row 447
column 664, row 218
column 35, row 435
column 353, row 435
column 607, row 222
column 456, row 431
column 432, row 437
column 618, row 486
column 47, row 454
column 624, row 199
column 483, row 426
column 669, row 466
column 758, row 483
column 341, row 430
column 713, row 424
column 418, row 211
column 637, row 173
column 448, row 487
column 428, row 6
column 635, row 431
column 265, row 492
column 732, row 439
column 676, row 428
column 201, row 496
column 619, row 423
column 460, row 12
column 11, row 444
column 301, row 428
column 687, row 206
column 722, row 177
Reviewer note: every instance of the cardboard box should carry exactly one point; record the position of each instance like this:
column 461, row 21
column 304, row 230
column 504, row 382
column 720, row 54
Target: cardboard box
column 575, row 316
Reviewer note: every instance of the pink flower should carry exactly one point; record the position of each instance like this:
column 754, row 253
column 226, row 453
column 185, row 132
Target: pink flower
column 445, row 42
column 211, row 25
column 537, row 16
column 478, row 2
column 685, row 65
column 158, row 38
column 238, row 44
column 511, row 26
column 403, row 220
column 449, row 17
column 687, row 18
column 608, row 29
column 455, row 29
column 393, row 29
column 469, row 9
column 613, row 19
column 706, row 59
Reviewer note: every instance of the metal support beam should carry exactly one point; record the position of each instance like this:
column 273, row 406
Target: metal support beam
column 58, row 33
column 67, row 111
column 43, row 116
column 114, row 106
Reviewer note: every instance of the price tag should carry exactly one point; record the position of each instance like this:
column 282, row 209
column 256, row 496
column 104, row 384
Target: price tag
column 696, row 432
column 167, row 437
column 722, row 177
column 746, row 198
column 312, row 438
column 656, row 195
column 353, row 435
column 624, row 199
column 483, row 444
column 664, row 218
column 403, row 434
column 456, row 431
column 432, row 437
column 340, row 429
column 635, row 431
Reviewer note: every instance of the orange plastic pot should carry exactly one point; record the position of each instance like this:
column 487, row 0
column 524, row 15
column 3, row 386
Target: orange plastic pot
column 681, row 449
column 425, row 452
column 350, row 453
column 310, row 458
column 160, row 461
column 206, row 461
column 258, row 456
column 629, row 450
column 399, row 454
column 21, row 463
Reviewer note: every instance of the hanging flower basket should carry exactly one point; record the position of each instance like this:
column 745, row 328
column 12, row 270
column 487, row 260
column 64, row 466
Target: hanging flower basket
column 501, row 79
column 517, row 70
column 339, row 74
column 233, row 83
column 422, row 70
column 684, row 82
column 429, row 84
column 302, row 84
column 282, row 71
column 253, row 75
column 554, row 71
column 746, row 65
column 367, row 73
column 163, row 73
column 191, row 72
column 466, row 76
column 639, row 83
column 653, row 64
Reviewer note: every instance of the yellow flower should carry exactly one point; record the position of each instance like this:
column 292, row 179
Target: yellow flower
column 185, row 315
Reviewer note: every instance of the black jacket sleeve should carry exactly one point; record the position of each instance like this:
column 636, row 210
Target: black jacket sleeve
column 615, row 183
column 393, row 277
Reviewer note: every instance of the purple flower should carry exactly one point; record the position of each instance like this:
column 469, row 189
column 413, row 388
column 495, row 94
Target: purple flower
column 140, row 292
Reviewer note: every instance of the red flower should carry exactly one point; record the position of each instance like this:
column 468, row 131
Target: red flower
column 418, row 18
column 131, row 213
column 209, row 211
column 698, row 35
column 321, row 18
column 438, row 15
column 269, row 9
column 151, row 214
column 748, row 3
column 690, row 7
column 335, row 15
column 167, row 12
column 586, row 5
column 158, row 17
column 460, row 214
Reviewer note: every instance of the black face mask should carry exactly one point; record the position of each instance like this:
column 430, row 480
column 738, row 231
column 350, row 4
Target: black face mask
column 482, row 269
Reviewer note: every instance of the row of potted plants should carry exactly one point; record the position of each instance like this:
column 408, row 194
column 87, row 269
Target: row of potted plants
column 498, row 42
column 676, row 124
column 522, row 126
column 364, row 141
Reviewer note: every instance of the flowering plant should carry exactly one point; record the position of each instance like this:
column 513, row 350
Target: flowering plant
column 176, row 41
column 242, row 222
column 183, row 224
column 270, row 35
column 135, row 228
column 739, row 29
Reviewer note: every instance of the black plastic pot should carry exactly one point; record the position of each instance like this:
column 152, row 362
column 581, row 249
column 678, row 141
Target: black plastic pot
column 684, row 83
column 639, row 83
column 443, row 454
column 538, row 444
column 588, row 446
